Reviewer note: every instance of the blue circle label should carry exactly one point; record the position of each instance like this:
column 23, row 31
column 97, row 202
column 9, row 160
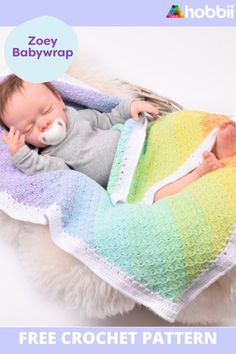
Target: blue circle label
column 41, row 49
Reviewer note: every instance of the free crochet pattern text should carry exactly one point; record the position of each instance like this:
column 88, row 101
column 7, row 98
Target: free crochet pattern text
column 118, row 337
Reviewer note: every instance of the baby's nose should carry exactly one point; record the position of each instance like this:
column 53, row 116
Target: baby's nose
column 43, row 125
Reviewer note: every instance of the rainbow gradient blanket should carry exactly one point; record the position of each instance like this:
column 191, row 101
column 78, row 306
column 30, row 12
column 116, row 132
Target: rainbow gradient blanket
column 161, row 255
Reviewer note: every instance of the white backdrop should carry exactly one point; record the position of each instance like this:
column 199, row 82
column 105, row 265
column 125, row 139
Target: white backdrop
column 194, row 66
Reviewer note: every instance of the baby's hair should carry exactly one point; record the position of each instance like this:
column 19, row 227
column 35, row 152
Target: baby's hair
column 11, row 84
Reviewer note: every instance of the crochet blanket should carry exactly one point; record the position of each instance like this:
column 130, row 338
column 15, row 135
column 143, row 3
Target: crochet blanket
column 160, row 255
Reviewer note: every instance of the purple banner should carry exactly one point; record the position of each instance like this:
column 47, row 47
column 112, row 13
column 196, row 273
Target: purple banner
column 123, row 12
column 164, row 340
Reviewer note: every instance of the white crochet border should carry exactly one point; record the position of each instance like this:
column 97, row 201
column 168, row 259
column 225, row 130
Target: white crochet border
column 137, row 130
column 113, row 276
column 21, row 211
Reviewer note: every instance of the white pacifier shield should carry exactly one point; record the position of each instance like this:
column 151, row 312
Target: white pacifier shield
column 55, row 134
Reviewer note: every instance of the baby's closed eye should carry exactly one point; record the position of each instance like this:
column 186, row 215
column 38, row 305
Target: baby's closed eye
column 29, row 129
column 48, row 109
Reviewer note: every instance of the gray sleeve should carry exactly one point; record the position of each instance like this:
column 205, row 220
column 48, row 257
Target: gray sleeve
column 30, row 162
column 119, row 114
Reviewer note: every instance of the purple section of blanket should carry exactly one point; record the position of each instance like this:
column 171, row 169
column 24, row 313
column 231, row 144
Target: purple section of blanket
column 83, row 96
column 86, row 97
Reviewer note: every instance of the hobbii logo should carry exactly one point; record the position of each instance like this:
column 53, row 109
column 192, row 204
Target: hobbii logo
column 201, row 12
column 210, row 12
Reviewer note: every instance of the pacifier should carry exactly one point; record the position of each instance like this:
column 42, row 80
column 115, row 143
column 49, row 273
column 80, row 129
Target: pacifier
column 55, row 134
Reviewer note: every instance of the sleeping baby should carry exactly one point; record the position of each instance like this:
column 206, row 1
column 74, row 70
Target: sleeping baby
column 83, row 140
column 64, row 138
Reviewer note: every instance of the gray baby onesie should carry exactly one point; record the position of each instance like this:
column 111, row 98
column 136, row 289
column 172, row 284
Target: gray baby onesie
column 89, row 146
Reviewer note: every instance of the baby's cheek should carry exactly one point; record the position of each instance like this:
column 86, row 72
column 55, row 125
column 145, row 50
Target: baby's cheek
column 63, row 116
column 33, row 139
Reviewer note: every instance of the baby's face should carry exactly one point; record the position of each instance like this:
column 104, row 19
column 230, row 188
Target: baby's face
column 32, row 110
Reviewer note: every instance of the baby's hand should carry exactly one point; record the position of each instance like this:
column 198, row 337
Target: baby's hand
column 142, row 106
column 14, row 140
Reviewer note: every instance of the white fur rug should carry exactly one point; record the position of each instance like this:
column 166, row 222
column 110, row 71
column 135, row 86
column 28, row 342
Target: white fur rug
column 64, row 278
